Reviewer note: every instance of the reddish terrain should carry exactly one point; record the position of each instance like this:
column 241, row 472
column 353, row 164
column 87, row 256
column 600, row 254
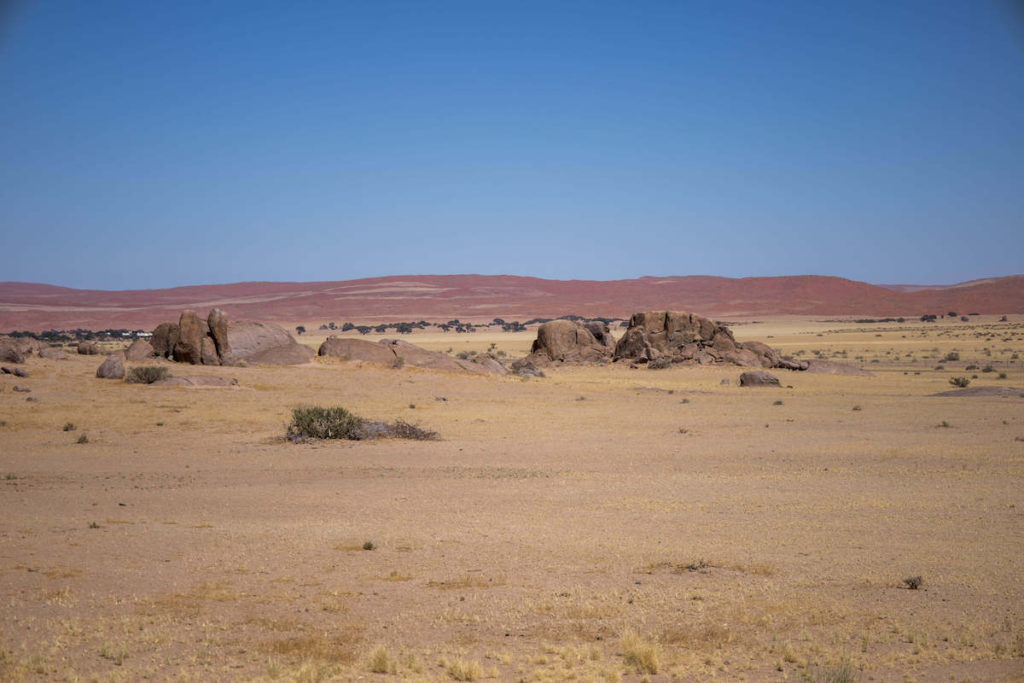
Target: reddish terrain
column 26, row 306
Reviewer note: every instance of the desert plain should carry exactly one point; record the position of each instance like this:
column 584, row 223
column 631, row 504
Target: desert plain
column 601, row 523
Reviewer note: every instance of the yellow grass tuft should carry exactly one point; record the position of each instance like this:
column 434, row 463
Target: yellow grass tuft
column 640, row 653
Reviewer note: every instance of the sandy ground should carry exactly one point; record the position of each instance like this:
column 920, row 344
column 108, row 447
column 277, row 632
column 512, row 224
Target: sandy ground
column 601, row 523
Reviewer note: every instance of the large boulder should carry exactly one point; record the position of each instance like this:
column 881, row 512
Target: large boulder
column 140, row 349
column 208, row 351
column 112, row 367
column 567, row 341
column 759, row 378
column 217, row 321
column 689, row 338
column 88, row 348
column 53, row 353
column 189, row 347
column 357, row 349
column 165, row 336
column 266, row 343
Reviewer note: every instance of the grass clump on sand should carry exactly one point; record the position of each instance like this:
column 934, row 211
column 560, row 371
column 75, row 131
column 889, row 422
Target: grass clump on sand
column 640, row 653
column 146, row 374
column 317, row 422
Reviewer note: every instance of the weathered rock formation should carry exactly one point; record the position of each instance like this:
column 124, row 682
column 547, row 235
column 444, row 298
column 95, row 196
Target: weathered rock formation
column 398, row 353
column 567, row 341
column 216, row 341
column 689, row 338
column 53, row 353
column 112, row 367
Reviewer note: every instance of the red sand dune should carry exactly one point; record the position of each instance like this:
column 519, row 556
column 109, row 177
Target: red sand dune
column 26, row 306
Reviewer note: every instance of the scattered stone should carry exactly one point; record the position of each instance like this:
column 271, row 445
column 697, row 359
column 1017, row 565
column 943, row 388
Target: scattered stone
column 21, row 389
column 112, row 367
column 524, row 367
column 17, row 372
column 759, row 378
column 725, row 382
column 32, row 399
column 88, row 348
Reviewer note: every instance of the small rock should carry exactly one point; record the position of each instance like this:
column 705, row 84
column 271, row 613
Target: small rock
column 759, row 378
column 21, row 389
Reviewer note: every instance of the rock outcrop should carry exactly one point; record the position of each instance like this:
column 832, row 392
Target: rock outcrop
column 568, row 341
column 216, row 341
column 112, row 367
column 53, row 353
column 690, row 338
column 399, row 353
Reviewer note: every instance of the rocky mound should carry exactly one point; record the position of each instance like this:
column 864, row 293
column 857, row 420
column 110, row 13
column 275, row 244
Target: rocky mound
column 397, row 352
column 1012, row 392
column 568, row 341
column 195, row 381
column 216, row 341
column 690, row 338
column 17, row 349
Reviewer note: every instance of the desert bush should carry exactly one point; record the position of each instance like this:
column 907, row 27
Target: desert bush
column 369, row 545
column 83, row 439
column 315, row 422
column 146, row 374
column 960, row 382
column 69, row 427
column 660, row 363
column 1002, row 375
column 988, row 368
column 381, row 662
column 398, row 363
column 913, row 582
column 951, row 356
column 640, row 653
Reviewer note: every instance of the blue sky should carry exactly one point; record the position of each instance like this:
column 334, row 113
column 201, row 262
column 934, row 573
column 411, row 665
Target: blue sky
column 147, row 144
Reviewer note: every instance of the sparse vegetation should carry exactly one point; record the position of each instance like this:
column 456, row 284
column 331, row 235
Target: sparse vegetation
column 315, row 422
column 146, row 374
column 913, row 582
column 642, row 654
column 82, row 439
column 381, row 661
column 960, row 382
column 368, row 545
column 69, row 427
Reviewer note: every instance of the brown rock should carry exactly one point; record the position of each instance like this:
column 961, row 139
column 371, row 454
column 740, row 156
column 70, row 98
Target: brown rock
column 112, row 367
column 758, row 378
column 290, row 354
column 566, row 341
column 53, row 353
column 410, row 354
column 17, row 372
column 140, row 349
column 208, row 351
column 246, row 339
column 831, row 367
column 165, row 336
column 357, row 349
column 217, row 321
column 88, row 348
column 188, row 349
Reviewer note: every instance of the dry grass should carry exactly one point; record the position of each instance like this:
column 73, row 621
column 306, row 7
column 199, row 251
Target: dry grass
column 216, row 549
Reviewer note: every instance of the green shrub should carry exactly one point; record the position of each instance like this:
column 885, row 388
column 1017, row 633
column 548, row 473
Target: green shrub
column 913, row 582
column 146, row 374
column 959, row 381
column 315, row 422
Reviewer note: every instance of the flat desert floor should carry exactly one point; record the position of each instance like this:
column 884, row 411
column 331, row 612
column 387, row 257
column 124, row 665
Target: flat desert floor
column 602, row 523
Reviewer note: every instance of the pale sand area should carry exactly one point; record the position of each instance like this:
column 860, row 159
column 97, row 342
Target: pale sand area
column 188, row 540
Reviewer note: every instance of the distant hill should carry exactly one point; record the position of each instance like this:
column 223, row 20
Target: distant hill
column 26, row 306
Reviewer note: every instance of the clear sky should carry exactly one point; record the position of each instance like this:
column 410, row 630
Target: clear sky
column 152, row 144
